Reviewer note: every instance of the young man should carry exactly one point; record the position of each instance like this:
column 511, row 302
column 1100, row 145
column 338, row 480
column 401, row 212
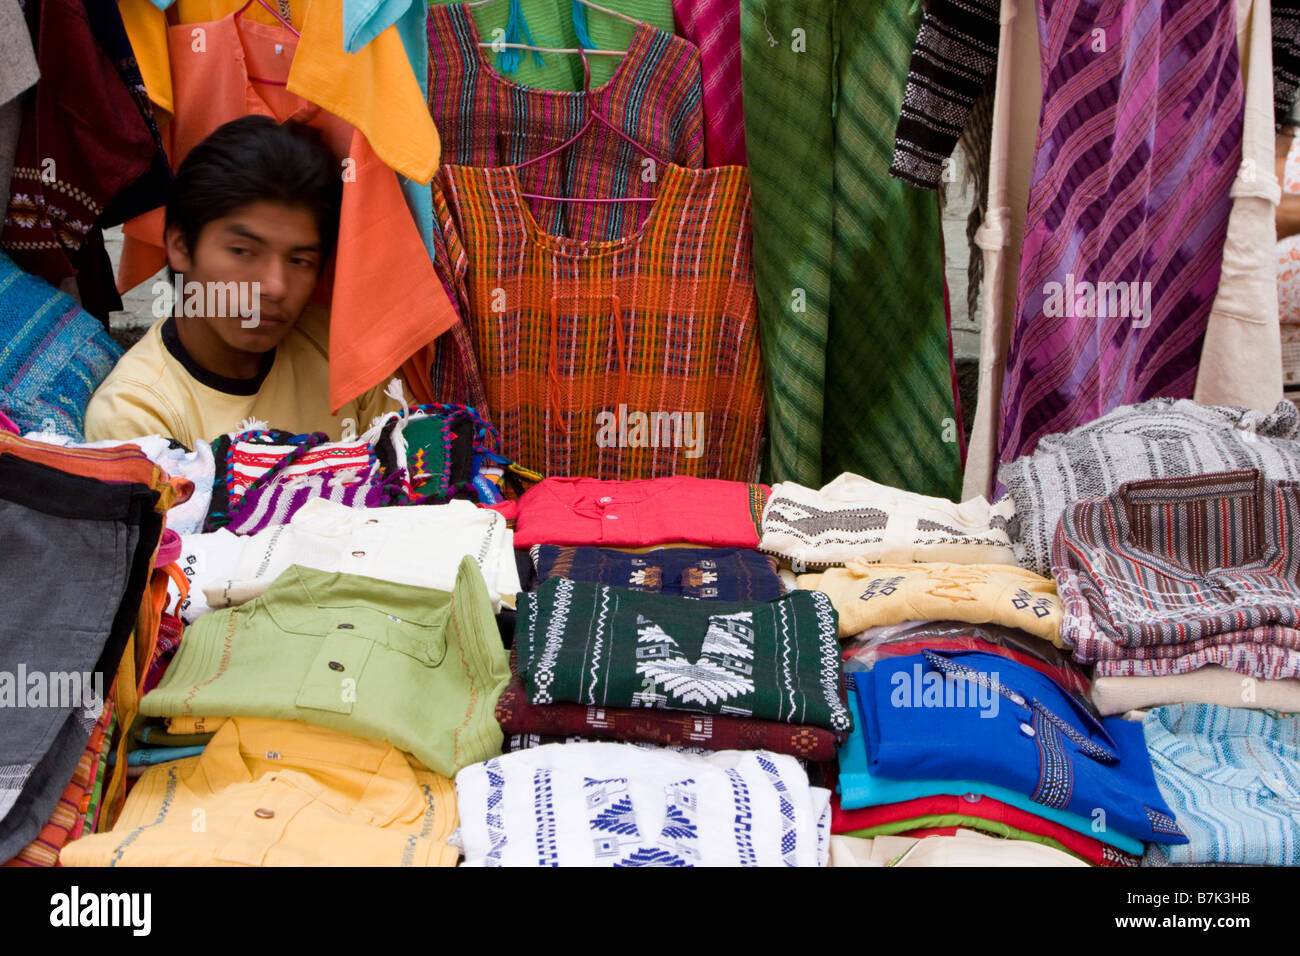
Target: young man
column 255, row 202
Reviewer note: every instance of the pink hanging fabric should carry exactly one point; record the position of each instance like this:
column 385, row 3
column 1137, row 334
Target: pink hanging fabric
column 714, row 27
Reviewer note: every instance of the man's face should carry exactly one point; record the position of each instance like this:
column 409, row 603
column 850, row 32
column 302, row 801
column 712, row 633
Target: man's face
column 273, row 245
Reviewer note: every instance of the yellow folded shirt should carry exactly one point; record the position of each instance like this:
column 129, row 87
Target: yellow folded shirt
column 281, row 793
column 872, row 595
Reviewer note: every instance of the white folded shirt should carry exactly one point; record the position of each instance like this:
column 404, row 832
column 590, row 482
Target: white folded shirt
column 614, row 804
column 854, row 518
column 421, row 545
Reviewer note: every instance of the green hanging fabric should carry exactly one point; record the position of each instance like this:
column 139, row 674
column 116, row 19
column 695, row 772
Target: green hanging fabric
column 848, row 260
column 555, row 23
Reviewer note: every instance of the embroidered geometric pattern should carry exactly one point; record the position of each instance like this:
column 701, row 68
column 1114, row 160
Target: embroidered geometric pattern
column 609, row 647
column 722, row 671
column 559, row 620
column 1161, row 438
column 548, row 853
column 1163, row 822
column 744, row 819
column 1055, row 775
column 789, row 838
column 1022, row 599
column 881, row 586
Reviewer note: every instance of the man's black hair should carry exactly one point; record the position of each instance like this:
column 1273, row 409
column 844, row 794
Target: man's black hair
column 254, row 159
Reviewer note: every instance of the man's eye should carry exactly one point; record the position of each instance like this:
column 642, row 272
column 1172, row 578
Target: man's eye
column 239, row 251
column 304, row 263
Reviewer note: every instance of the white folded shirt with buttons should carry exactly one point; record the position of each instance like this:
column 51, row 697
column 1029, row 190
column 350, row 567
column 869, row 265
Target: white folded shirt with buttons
column 421, row 545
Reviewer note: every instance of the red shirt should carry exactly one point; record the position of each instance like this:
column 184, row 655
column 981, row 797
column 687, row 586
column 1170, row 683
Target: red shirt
column 975, row 807
column 633, row 514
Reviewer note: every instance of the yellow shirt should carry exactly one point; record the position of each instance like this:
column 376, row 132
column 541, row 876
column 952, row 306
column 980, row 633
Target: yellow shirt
column 152, row 392
column 871, row 595
column 281, row 793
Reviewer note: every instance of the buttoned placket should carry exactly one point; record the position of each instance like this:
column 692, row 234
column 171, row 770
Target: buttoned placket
column 1029, row 705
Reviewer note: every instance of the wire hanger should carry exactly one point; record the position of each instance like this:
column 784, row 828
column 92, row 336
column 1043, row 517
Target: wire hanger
column 542, row 49
column 275, row 13
column 593, row 116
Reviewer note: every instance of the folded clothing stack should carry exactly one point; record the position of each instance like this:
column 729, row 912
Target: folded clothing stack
column 610, row 804
column 1165, row 577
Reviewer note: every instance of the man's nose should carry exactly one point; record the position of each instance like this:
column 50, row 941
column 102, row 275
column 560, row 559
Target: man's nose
column 272, row 278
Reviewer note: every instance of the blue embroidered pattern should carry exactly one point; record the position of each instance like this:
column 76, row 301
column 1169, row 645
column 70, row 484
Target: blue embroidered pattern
column 1023, row 600
column 496, row 823
column 789, row 839
column 426, row 826
column 548, row 853
column 881, row 586
column 1163, row 822
column 613, row 806
column 168, row 796
column 1055, row 775
column 744, row 828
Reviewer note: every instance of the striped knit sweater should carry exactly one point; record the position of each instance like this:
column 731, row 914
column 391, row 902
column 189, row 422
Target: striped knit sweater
column 954, row 60
column 1286, row 57
column 1176, row 560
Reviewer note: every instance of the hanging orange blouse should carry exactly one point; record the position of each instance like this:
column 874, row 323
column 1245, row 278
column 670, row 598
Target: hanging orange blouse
column 386, row 301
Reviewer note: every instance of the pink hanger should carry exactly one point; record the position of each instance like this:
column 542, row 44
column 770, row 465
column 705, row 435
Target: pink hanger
column 273, row 12
column 593, row 116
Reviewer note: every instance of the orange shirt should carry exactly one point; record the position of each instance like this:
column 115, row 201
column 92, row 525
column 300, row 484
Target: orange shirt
column 386, row 301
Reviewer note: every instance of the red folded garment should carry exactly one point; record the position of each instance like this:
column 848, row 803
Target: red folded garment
column 648, row 725
column 979, row 807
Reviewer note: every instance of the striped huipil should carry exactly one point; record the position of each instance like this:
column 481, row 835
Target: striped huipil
column 1139, row 141
column 1175, row 561
column 485, row 119
column 631, row 358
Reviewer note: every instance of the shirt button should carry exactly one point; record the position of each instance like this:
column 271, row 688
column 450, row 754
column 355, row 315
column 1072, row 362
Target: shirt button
column 358, row 554
column 346, row 627
column 263, row 813
column 972, row 797
column 372, row 521
column 612, row 517
column 335, row 666
column 606, row 500
column 1026, row 730
column 1017, row 700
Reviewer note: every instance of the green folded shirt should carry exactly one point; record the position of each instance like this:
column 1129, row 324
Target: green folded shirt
column 610, row 647
column 419, row 668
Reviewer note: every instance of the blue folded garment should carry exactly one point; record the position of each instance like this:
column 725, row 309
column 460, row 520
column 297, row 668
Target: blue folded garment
column 968, row 715
column 859, row 787
column 1232, row 776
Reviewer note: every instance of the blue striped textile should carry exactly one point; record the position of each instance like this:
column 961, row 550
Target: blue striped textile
column 1232, row 778
column 53, row 355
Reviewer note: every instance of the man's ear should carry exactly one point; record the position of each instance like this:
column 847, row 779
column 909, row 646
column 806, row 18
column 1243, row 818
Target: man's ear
column 178, row 253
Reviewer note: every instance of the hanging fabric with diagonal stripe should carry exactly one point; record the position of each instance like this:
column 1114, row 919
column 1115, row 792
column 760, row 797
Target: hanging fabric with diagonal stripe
column 848, row 260
column 1138, row 144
